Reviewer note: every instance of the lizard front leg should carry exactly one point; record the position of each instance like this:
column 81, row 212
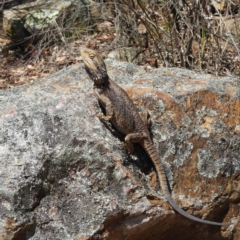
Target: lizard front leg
column 106, row 103
column 137, row 137
column 145, row 116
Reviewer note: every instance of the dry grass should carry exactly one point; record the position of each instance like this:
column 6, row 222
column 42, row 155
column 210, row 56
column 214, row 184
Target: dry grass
column 188, row 34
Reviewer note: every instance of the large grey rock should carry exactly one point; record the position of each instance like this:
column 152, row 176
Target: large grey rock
column 65, row 175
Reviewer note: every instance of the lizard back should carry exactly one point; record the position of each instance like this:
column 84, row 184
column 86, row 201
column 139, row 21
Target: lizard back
column 125, row 115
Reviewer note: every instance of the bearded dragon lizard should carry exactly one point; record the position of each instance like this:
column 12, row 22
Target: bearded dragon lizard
column 122, row 113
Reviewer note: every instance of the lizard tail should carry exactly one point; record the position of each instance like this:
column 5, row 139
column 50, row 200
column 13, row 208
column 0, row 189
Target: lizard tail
column 149, row 147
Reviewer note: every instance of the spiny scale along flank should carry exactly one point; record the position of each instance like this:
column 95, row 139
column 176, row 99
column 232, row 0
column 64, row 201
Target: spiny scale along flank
column 121, row 111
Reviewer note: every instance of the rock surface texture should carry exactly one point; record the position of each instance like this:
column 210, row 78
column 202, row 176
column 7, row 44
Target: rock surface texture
column 66, row 175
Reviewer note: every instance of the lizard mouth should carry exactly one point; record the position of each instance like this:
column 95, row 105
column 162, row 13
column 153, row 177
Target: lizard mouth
column 97, row 76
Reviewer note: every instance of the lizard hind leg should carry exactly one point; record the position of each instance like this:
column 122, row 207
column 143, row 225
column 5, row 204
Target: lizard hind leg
column 131, row 138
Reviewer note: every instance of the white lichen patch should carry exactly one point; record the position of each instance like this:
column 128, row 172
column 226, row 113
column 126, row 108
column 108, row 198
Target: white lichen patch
column 150, row 95
column 6, row 205
column 188, row 201
column 161, row 106
column 212, row 113
column 220, row 154
column 207, row 165
column 186, row 121
column 218, row 126
column 203, row 132
column 183, row 151
column 171, row 150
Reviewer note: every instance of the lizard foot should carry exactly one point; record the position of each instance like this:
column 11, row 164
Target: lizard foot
column 103, row 118
column 129, row 147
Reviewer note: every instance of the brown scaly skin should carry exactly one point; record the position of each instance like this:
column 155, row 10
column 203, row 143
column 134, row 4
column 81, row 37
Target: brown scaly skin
column 121, row 111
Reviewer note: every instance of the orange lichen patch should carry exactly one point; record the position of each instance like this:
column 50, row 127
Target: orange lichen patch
column 228, row 188
column 129, row 190
column 209, row 99
column 198, row 82
column 153, row 179
column 62, row 85
column 134, row 93
column 169, row 102
column 237, row 128
column 197, row 143
column 188, row 183
column 188, row 102
column 144, row 81
column 15, row 230
column 156, row 201
column 135, row 197
column 187, row 79
column 207, row 123
column 232, row 110
column 228, row 108
column 233, row 189
column 231, row 91
column 169, row 73
column 202, row 98
column 164, row 204
column 9, row 226
column 85, row 79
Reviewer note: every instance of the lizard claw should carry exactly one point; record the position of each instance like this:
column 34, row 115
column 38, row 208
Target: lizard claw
column 103, row 117
column 145, row 135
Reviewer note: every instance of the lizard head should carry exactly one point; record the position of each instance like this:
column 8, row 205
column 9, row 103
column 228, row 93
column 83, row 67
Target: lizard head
column 94, row 65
